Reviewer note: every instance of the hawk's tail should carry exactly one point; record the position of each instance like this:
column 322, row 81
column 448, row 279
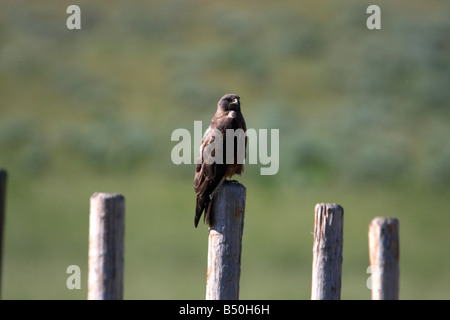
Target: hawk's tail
column 203, row 203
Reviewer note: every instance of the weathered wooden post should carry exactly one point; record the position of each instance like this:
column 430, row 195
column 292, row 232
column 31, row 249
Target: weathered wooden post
column 225, row 243
column 106, row 246
column 3, row 177
column 384, row 255
column 327, row 252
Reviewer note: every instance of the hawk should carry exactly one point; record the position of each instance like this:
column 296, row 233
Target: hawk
column 209, row 175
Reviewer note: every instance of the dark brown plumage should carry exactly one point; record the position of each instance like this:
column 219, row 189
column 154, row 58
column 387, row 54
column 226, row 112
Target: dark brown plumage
column 209, row 176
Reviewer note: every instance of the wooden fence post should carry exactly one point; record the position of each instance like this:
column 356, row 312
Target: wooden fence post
column 384, row 254
column 225, row 243
column 3, row 178
column 106, row 246
column 327, row 252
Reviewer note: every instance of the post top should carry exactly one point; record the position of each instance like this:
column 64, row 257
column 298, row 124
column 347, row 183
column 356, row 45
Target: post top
column 384, row 221
column 107, row 196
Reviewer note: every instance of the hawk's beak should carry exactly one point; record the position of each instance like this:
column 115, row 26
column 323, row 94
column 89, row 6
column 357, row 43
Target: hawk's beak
column 236, row 101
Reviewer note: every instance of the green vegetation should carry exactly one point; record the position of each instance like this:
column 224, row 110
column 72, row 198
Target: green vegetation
column 363, row 115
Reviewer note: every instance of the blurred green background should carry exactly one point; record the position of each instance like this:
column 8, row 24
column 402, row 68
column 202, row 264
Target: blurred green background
column 363, row 116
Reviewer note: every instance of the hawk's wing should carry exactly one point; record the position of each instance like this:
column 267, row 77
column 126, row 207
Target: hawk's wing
column 207, row 177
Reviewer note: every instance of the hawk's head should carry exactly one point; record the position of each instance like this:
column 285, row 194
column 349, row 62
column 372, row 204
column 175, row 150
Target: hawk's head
column 229, row 102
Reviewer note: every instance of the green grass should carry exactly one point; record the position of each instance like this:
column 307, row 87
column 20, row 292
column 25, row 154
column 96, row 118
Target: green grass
column 363, row 119
column 165, row 256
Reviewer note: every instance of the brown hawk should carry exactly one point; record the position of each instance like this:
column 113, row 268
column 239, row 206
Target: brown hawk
column 209, row 175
